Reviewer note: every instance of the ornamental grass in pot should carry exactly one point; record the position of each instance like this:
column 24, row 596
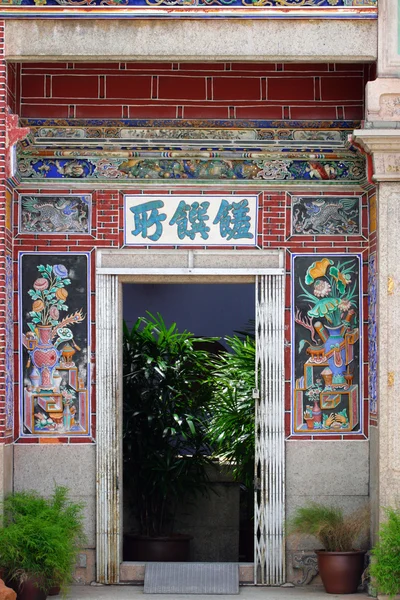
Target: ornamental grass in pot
column 39, row 542
column 385, row 563
column 165, row 453
column 341, row 562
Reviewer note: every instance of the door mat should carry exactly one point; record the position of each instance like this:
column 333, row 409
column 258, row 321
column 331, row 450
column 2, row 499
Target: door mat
column 191, row 578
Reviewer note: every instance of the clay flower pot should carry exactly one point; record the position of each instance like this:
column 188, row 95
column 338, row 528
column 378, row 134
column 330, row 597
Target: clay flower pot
column 340, row 571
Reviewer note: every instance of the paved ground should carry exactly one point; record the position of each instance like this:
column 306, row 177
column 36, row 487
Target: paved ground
column 128, row 592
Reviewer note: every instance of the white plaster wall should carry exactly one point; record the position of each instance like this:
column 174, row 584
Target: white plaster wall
column 193, row 40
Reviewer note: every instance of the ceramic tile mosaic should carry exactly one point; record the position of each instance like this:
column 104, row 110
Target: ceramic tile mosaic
column 326, row 215
column 54, row 344
column 283, row 157
column 326, row 348
column 372, row 336
column 9, row 350
column 48, row 214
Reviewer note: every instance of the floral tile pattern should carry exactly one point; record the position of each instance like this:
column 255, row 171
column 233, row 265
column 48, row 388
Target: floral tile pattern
column 325, row 344
column 54, row 344
column 372, row 336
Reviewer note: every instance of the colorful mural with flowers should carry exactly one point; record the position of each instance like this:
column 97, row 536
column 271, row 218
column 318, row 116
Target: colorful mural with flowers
column 54, row 339
column 326, row 347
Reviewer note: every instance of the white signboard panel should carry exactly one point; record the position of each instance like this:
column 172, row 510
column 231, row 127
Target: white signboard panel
column 206, row 220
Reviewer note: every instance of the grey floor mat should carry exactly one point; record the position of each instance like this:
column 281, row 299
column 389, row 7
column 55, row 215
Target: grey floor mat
column 191, row 578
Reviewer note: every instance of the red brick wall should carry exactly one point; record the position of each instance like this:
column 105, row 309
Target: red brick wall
column 189, row 90
column 274, row 232
column 5, row 236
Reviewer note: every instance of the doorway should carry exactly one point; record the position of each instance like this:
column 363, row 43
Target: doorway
column 194, row 482
column 264, row 270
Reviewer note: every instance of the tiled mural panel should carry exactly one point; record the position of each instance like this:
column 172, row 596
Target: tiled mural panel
column 54, row 323
column 274, row 231
column 189, row 90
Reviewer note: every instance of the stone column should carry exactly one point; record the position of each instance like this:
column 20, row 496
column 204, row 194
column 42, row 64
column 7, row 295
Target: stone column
column 381, row 139
column 108, row 430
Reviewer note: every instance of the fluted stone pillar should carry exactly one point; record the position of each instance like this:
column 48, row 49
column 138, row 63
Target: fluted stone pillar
column 109, row 427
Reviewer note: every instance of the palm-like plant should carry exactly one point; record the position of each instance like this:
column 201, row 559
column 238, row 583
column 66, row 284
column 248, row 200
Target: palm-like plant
column 166, row 398
column 231, row 427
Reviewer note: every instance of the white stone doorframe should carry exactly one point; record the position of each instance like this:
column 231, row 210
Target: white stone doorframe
column 266, row 269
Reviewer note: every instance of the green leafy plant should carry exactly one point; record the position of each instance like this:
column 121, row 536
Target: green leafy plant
column 231, row 426
column 335, row 531
column 166, row 399
column 40, row 538
column 385, row 565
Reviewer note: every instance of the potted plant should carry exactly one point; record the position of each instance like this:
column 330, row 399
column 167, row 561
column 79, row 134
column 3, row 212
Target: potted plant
column 166, row 397
column 39, row 542
column 340, row 563
column 385, row 564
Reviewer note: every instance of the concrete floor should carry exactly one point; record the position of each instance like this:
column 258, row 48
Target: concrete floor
column 128, row 592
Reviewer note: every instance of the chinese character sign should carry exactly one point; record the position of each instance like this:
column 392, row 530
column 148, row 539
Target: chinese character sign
column 191, row 220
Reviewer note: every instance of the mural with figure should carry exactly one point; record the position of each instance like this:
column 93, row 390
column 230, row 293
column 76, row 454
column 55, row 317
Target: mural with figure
column 326, row 348
column 54, row 214
column 326, row 215
column 55, row 347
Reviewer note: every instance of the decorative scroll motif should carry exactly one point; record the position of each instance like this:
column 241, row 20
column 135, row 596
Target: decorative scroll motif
column 308, row 563
column 9, row 349
column 194, row 3
column 326, row 215
column 54, row 344
column 372, row 335
column 326, row 348
column 350, row 170
column 54, row 214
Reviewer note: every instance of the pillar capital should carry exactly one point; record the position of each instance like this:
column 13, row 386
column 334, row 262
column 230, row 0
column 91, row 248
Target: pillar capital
column 384, row 146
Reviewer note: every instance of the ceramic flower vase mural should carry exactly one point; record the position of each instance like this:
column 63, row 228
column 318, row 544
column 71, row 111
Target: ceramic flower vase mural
column 326, row 363
column 56, row 346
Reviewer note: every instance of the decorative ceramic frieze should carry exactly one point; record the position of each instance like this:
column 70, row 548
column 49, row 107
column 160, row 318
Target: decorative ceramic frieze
column 45, row 214
column 54, row 344
column 9, row 346
column 372, row 336
column 159, row 150
column 326, row 363
column 326, row 215
column 275, row 169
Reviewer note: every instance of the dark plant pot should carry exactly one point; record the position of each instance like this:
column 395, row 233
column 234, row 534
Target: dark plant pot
column 340, row 571
column 175, row 548
column 27, row 590
column 54, row 590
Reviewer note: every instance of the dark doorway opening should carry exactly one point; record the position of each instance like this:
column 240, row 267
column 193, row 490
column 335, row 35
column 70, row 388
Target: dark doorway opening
column 220, row 522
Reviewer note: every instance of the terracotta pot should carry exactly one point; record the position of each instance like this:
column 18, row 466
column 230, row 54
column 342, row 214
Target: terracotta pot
column 175, row 548
column 27, row 590
column 340, row 571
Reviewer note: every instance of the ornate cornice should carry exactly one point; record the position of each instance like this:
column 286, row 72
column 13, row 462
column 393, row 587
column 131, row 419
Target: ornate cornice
column 183, row 151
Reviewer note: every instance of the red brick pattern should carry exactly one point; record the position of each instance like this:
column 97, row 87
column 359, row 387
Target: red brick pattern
column 189, row 90
column 274, row 232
